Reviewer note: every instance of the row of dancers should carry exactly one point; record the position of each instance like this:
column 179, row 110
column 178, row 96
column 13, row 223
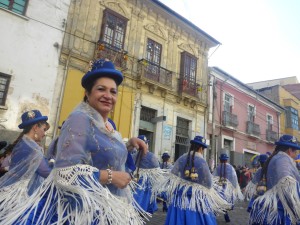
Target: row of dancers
column 90, row 176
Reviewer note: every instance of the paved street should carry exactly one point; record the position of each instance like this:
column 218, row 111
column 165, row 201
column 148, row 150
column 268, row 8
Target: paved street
column 238, row 216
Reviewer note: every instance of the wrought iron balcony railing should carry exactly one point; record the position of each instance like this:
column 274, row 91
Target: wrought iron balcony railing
column 230, row 120
column 253, row 129
column 107, row 51
column 271, row 135
column 155, row 73
column 189, row 87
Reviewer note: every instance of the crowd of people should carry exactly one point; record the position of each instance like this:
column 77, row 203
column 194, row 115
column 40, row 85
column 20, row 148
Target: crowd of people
column 90, row 176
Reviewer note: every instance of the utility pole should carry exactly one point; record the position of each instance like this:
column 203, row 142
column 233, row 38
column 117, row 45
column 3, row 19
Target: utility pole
column 212, row 153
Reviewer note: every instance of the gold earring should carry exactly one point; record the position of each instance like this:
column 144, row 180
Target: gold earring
column 35, row 136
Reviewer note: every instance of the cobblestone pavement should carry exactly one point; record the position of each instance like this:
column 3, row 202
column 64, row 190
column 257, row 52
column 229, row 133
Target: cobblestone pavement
column 239, row 216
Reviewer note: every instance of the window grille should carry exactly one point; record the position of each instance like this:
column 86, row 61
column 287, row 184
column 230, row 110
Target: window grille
column 113, row 29
column 182, row 131
column 147, row 114
column 188, row 67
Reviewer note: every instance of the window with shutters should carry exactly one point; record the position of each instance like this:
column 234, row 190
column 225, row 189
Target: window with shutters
column 251, row 113
column 228, row 102
column 292, row 118
column 269, row 122
column 4, row 85
column 16, row 6
column 188, row 71
column 113, row 29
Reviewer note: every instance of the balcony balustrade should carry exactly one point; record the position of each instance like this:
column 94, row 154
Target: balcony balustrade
column 271, row 135
column 155, row 73
column 107, row 51
column 253, row 128
column 188, row 87
column 230, row 120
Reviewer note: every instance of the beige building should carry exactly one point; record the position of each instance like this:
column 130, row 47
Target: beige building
column 163, row 57
column 284, row 91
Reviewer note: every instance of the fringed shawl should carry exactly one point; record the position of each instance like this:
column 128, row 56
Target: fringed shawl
column 283, row 190
column 26, row 173
column 196, row 195
column 74, row 195
column 230, row 189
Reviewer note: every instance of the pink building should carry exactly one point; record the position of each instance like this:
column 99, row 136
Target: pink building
column 241, row 122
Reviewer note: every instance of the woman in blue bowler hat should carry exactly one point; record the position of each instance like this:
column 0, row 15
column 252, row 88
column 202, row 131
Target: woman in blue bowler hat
column 226, row 183
column 28, row 167
column 88, row 184
column 189, row 187
column 278, row 189
column 167, row 166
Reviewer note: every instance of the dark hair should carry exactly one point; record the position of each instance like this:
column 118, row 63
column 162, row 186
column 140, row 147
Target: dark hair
column 88, row 89
column 194, row 147
column 223, row 166
column 264, row 171
column 25, row 131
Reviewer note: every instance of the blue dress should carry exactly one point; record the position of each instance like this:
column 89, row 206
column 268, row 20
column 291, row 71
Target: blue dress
column 228, row 187
column 150, row 174
column 27, row 171
column 72, row 193
column 280, row 203
column 192, row 201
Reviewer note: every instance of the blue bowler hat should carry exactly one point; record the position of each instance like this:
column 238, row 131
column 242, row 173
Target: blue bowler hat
column 199, row 140
column 144, row 138
column 289, row 141
column 102, row 68
column 165, row 155
column 224, row 156
column 263, row 158
column 31, row 117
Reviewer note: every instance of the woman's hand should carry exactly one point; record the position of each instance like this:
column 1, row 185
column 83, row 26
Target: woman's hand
column 119, row 178
column 138, row 144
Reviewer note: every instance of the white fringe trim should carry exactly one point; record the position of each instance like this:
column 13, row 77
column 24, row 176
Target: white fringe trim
column 202, row 198
column 152, row 176
column 286, row 190
column 90, row 201
column 250, row 190
column 228, row 192
column 12, row 196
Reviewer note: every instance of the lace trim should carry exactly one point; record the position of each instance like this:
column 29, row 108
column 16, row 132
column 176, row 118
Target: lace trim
column 67, row 175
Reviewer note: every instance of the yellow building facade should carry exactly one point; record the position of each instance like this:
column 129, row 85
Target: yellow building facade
column 289, row 120
column 164, row 61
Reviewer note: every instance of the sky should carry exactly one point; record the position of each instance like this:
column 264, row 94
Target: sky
column 260, row 39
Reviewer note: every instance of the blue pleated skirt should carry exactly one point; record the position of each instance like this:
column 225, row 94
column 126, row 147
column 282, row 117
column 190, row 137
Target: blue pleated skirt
column 143, row 198
column 178, row 216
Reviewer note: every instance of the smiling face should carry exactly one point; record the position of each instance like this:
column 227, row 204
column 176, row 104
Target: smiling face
column 103, row 96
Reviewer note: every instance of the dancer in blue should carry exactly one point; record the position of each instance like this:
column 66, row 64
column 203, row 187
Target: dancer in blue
column 167, row 166
column 189, row 188
column 148, row 174
column 28, row 167
column 278, row 190
column 88, row 184
column 250, row 190
column 226, row 183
